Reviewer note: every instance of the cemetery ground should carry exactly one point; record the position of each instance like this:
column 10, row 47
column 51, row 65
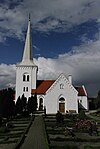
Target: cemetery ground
column 13, row 131
column 74, row 132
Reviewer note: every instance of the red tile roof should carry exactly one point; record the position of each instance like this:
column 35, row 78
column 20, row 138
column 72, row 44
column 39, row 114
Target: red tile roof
column 43, row 86
column 81, row 91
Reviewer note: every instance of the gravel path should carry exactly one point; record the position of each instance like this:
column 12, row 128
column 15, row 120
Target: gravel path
column 36, row 137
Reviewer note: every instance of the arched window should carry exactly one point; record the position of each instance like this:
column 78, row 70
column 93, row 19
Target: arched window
column 62, row 99
column 61, row 86
column 23, row 89
column 41, row 101
column 41, row 104
column 80, row 101
column 24, row 77
column 27, row 77
column 27, row 89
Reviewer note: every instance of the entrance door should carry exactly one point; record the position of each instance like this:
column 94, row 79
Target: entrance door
column 62, row 107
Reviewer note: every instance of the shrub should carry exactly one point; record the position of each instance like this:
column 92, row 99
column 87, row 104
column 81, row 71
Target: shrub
column 82, row 115
column 83, row 124
column 4, row 129
column 9, row 125
column 59, row 117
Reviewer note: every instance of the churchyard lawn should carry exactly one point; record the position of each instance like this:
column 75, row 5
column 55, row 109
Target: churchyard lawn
column 73, row 133
column 13, row 132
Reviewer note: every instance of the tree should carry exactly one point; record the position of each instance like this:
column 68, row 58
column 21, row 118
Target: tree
column 32, row 104
column 7, row 105
column 11, row 103
column 97, row 101
column 82, row 115
column 24, row 103
column 59, row 118
column 35, row 101
column 19, row 106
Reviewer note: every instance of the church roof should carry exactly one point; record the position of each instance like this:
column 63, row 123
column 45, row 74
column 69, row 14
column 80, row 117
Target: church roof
column 42, row 86
column 81, row 91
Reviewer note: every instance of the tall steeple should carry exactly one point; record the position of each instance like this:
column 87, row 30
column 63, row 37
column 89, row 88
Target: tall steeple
column 26, row 70
column 27, row 55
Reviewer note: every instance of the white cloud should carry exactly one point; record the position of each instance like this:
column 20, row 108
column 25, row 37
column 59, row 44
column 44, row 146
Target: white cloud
column 60, row 13
column 7, row 76
column 83, row 64
column 46, row 15
column 11, row 23
column 76, row 62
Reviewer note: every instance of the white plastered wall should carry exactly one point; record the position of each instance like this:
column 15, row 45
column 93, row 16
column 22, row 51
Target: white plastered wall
column 84, row 101
column 51, row 99
column 20, row 84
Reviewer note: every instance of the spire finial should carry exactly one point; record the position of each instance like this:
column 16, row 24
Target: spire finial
column 29, row 17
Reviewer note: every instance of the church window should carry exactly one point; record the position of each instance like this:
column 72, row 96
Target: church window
column 80, row 101
column 40, row 104
column 24, row 77
column 62, row 99
column 27, row 89
column 61, row 86
column 23, row 89
column 27, row 77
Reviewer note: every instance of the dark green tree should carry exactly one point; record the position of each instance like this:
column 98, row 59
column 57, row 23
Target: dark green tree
column 7, row 104
column 19, row 107
column 32, row 104
column 82, row 115
column 97, row 101
column 59, row 118
column 24, row 103
column 35, row 101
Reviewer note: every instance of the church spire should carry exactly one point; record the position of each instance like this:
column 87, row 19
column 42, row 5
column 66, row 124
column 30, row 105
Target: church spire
column 27, row 55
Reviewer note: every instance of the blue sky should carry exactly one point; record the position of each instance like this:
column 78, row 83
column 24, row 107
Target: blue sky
column 50, row 44
column 65, row 35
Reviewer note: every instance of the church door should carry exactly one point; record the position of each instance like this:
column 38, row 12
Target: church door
column 62, row 107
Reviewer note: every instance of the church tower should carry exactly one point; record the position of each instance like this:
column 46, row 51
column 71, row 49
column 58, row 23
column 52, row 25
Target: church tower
column 26, row 70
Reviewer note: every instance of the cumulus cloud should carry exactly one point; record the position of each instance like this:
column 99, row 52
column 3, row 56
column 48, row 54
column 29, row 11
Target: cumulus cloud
column 11, row 22
column 46, row 15
column 7, row 76
column 83, row 63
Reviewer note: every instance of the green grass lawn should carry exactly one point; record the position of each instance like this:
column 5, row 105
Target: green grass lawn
column 58, row 140
column 9, row 137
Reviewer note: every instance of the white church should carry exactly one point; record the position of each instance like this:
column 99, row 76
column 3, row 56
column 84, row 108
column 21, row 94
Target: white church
column 54, row 95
